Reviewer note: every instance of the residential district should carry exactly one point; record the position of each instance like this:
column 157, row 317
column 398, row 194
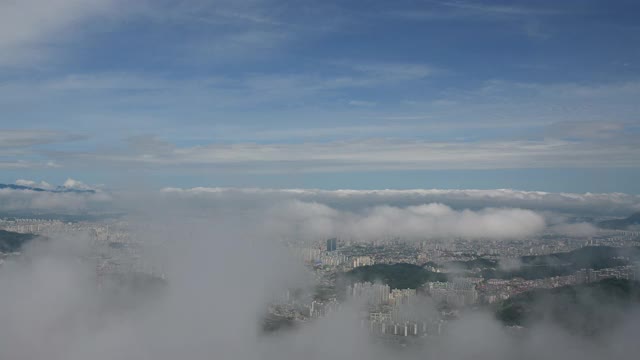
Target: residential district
column 384, row 311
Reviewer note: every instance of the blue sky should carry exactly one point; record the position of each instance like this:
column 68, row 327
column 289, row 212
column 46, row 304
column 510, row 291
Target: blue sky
column 353, row 94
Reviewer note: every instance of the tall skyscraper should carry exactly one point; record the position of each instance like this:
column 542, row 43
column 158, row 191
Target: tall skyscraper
column 332, row 244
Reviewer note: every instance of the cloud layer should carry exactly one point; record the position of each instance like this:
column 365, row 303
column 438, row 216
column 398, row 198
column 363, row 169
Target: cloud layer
column 375, row 154
column 53, row 201
column 313, row 221
column 222, row 268
column 594, row 203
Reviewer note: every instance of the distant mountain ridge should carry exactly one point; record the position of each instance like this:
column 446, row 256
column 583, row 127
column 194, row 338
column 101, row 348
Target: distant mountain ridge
column 621, row 224
column 59, row 189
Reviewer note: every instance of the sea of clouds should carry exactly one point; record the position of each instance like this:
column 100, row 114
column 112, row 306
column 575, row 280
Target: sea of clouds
column 224, row 263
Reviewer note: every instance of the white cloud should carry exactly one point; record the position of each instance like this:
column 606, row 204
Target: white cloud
column 76, row 184
column 317, row 221
column 594, row 203
column 237, row 45
column 104, row 82
column 383, row 154
column 52, row 202
column 31, row 183
column 33, row 31
column 23, row 164
column 27, row 27
column 52, row 164
column 54, row 287
column 228, row 91
column 24, row 201
column 561, row 91
column 575, row 229
column 498, row 10
column 388, row 72
column 18, row 148
column 585, row 129
column 362, row 103
column 25, row 138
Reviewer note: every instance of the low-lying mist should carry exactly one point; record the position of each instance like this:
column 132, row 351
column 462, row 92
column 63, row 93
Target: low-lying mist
column 223, row 263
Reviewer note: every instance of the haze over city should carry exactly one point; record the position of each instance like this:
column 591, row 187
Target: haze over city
column 319, row 180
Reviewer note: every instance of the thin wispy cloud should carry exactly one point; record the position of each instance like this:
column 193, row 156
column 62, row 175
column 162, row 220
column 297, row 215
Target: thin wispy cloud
column 224, row 129
column 28, row 28
column 325, row 87
column 27, row 138
column 491, row 9
column 376, row 154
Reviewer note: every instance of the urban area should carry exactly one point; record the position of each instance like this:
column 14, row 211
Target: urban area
column 389, row 280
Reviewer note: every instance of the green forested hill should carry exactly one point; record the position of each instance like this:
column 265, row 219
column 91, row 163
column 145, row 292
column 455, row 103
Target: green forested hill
column 560, row 264
column 12, row 241
column 587, row 309
column 397, row 276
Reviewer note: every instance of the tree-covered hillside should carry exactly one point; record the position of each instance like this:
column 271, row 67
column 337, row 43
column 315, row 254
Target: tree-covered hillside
column 587, row 309
column 397, row 276
column 12, row 241
column 560, row 264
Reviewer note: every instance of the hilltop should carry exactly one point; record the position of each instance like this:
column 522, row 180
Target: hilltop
column 397, row 276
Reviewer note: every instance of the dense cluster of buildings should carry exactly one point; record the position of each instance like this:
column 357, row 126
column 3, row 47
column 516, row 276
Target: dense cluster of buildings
column 386, row 311
column 323, row 308
column 112, row 248
column 373, row 295
column 495, row 290
column 399, row 313
column 395, row 250
column 629, row 272
column 405, row 329
column 395, row 312
column 330, row 257
column 458, row 292
column 48, row 227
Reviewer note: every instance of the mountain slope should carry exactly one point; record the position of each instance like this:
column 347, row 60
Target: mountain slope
column 12, row 241
column 587, row 309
